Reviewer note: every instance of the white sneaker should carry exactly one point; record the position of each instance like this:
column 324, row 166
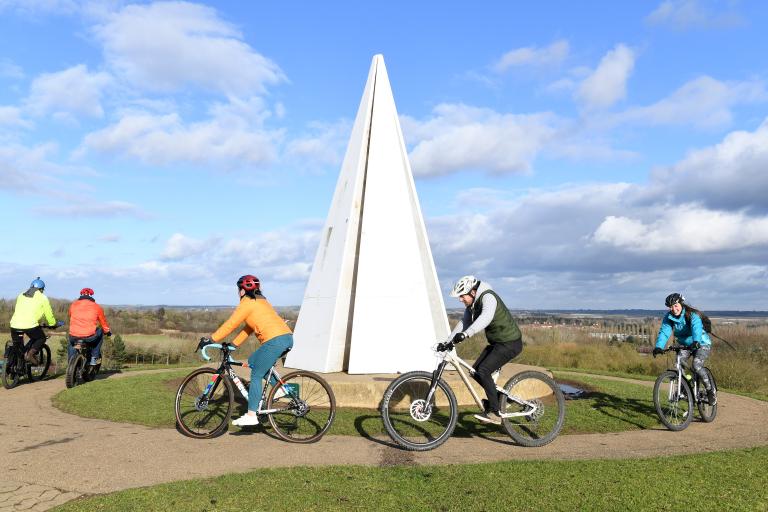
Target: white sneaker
column 246, row 420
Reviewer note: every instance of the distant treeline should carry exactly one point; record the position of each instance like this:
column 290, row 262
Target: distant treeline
column 130, row 320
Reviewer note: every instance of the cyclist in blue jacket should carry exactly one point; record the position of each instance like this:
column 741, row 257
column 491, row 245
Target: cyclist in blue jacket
column 684, row 321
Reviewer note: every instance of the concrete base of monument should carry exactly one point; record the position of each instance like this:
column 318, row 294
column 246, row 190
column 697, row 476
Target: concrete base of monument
column 366, row 391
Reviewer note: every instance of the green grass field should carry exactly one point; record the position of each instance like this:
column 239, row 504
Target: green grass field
column 148, row 400
column 732, row 480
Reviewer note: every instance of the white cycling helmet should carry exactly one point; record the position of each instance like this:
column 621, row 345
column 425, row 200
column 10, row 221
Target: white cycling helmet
column 464, row 285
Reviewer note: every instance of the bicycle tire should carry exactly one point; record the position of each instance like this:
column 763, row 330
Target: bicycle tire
column 306, row 411
column 544, row 423
column 675, row 412
column 75, row 368
column 10, row 358
column 39, row 371
column 404, row 416
column 209, row 418
column 706, row 411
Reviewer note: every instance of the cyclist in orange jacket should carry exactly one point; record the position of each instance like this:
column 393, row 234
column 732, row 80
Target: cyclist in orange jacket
column 87, row 324
column 274, row 334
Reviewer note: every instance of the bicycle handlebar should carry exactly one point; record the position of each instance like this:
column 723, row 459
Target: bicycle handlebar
column 678, row 348
column 215, row 345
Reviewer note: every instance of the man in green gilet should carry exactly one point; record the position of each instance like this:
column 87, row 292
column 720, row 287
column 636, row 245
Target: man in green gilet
column 486, row 311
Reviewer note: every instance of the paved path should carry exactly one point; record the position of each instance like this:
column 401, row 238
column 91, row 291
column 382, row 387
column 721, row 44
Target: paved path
column 43, row 448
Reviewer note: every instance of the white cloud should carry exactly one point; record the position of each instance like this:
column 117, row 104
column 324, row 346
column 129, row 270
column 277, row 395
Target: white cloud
column 164, row 46
column 687, row 14
column 84, row 208
column 729, row 175
column 608, row 83
column 702, row 102
column 8, row 69
column 554, row 54
column 322, row 146
column 11, row 116
column 74, row 91
column 462, row 137
column 225, row 139
column 180, row 247
column 29, row 7
column 685, row 229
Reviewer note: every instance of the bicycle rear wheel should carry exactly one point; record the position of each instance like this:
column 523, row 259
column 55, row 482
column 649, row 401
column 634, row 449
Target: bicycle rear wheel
column 204, row 404
column 543, row 410
column 413, row 423
column 37, row 372
column 10, row 360
column 707, row 412
column 675, row 408
column 305, row 411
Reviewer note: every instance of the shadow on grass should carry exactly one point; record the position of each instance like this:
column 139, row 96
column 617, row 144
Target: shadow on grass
column 622, row 409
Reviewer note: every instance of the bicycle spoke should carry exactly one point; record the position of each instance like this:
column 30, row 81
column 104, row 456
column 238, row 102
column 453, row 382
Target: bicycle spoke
column 540, row 405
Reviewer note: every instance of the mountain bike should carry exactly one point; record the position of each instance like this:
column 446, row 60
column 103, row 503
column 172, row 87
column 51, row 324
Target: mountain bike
column 420, row 411
column 79, row 368
column 676, row 390
column 15, row 366
column 300, row 406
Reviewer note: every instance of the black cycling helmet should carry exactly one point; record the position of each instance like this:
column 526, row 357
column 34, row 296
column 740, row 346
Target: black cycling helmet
column 674, row 298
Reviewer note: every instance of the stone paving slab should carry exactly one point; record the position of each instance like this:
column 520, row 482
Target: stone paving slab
column 35, row 497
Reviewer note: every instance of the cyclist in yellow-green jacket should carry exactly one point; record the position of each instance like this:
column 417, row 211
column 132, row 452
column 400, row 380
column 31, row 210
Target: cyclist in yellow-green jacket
column 31, row 306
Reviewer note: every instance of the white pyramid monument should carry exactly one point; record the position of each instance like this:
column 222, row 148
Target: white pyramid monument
column 372, row 303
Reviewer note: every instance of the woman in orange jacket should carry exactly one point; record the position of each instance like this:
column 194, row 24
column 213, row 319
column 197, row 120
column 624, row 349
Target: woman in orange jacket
column 87, row 325
column 272, row 332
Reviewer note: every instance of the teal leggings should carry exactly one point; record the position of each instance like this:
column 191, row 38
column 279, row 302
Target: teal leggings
column 262, row 359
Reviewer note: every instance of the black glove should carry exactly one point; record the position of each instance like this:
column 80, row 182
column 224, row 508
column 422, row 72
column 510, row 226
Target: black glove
column 694, row 347
column 458, row 338
column 445, row 347
column 203, row 342
column 657, row 351
column 108, row 334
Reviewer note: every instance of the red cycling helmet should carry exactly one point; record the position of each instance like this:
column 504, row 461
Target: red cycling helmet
column 86, row 291
column 248, row 283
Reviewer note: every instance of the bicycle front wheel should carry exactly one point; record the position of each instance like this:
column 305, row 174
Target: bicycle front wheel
column 538, row 405
column 707, row 412
column 673, row 400
column 306, row 407
column 10, row 362
column 75, row 369
column 38, row 371
column 204, row 404
column 413, row 422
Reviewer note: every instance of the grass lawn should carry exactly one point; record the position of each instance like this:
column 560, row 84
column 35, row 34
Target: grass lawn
column 148, row 400
column 732, row 480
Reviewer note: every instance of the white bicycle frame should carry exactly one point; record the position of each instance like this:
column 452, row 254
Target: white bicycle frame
column 454, row 360
column 239, row 384
column 679, row 368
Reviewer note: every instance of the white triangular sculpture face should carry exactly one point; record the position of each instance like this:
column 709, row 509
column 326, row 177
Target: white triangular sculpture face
column 373, row 303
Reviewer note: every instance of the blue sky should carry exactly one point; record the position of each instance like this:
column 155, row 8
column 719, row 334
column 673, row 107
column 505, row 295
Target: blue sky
column 573, row 155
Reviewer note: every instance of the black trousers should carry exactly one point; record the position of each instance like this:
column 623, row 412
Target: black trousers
column 36, row 337
column 492, row 358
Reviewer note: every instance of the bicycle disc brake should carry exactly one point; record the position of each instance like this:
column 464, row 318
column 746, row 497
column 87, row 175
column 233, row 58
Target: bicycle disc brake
column 420, row 410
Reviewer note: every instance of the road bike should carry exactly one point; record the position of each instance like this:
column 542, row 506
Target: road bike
column 677, row 389
column 300, row 406
column 15, row 366
column 419, row 409
column 79, row 368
